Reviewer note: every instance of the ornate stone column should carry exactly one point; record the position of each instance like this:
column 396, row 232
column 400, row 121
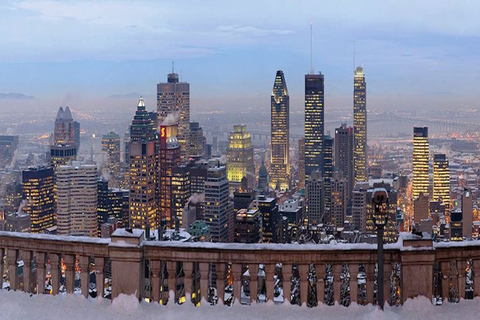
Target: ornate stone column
column 99, row 275
column 253, row 271
column 353, row 270
column 69, row 261
column 445, row 268
column 320, row 270
column 370, row 272
column 40, row 258
column 204, row 266
column 55, row 271
column 337, row 282
column 27, row 270
column 303, row 271
column 220, row 269
column 84, row 264
column 269, row 271
column 172, row 280
column 237, row 281
column 461, row 266
column 155, row 266
column 387, row 270
column 188, row 270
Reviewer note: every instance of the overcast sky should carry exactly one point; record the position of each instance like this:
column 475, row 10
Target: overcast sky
column 415, row 53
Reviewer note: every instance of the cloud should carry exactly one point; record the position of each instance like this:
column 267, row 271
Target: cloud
column 131, row 95
column 15, row 96
column 253, row 31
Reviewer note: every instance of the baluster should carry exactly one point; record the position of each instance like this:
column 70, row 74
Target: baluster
column 99, row 275
column 253, row 271
column 188, row 281
column 69, row 260
column 370, row 272
column 445, row 267
column 461, row 266
column 387, row 271
column 27, row 270
column 269, row 271
column 353, row 270
column 320, row 270
column 12, row 256
column 220, row 281
column 172, row 280
column 203, row 267
column 303, row 272
column 55, row 272
column 84, row 262
column 476, row 278
column 155, row 266
column 2, row 267
column 237, row 282
column 337, row 282
column 40, row 258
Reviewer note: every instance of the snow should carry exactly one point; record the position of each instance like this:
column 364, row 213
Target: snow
column 121, row 232
column 50, row 237
column 18, row 305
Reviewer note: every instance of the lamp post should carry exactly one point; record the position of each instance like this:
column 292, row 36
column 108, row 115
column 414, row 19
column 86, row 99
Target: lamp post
column 380, row 217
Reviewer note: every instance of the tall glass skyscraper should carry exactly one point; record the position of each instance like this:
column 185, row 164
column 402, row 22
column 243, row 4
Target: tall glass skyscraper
column 421, row 154
column 280, row 131
column 360, row 126
column 314, row 123
column 441, row 181
column 240, row 158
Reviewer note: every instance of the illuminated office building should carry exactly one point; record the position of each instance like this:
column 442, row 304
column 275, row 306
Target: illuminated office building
column 173, row 97
column 344, row 155
column 421, row 161
column 180, row 192
column 240, row 158
column 315, row 193
column 37, row 191
column 64, row 148
column 143, row 170
column 280, row 134
column 111, row 148
column 338, row 204
column 360, row 126
column 77, row 200
column 328, row 170
column 314, row 123
column 301, row 163
column 168, row 160
column 441, row 181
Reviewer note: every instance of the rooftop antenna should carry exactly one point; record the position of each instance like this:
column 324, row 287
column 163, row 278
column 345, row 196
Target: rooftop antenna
column 311, row 49
column 173, row 66
column 354, row 55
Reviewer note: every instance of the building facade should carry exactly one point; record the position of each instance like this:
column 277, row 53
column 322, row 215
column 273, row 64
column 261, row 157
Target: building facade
column 240, row 158
column 344, row 155
column 301, row 163
column 315, row 198
column 441, row 181
column 360, row 126
column 421, row 160
column 111, row 148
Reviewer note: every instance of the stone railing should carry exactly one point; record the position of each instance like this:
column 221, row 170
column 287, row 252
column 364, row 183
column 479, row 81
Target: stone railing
column 309, row 274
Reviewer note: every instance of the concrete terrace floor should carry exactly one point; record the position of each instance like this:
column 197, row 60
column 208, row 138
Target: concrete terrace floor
column 19, row 305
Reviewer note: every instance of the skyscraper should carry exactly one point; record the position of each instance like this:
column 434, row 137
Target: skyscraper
column 173, row 97
column 315, row 198
column 240, row 158
column 328, row 170
column 421, row 161
column 441, row 181
column 344, row 155
column 111, row 147
column 8, row 146
column 280, row 132
column 168, row 160
column 63, row 148
column 180, row 191
column 218, row 209
column 77, row 200
column 338, row 205
column 197, row 140
column 143, row 170
column 37, row 187
column 360, row 125
column 301, row 163
column 314, row 123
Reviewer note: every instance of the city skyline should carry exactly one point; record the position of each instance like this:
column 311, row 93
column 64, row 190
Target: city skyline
column 67, row 63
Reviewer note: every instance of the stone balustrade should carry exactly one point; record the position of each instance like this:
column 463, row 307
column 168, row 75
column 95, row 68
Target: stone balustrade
column 238, row 272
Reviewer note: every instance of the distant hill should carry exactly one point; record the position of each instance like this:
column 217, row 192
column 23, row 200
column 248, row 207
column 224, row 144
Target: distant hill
column 125, row 96
column 15, row 96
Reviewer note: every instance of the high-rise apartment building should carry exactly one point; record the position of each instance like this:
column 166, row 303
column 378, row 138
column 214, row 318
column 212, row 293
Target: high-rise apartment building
column 77, row 200
column 360, row 125
column 314, row 122
column 218, row 210
column 301, row 163
column 173, row 98
column 240, row 158
column 315, row 198
column 143, row 170
column 37, row 191
column 344, row 155
column 421, row 160
column 169, row 159
column 359, row 205
column 111, row 148
column 441, row 181
column 280, row 132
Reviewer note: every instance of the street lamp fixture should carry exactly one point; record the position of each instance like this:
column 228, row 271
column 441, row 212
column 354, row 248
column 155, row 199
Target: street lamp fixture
column 380, row 218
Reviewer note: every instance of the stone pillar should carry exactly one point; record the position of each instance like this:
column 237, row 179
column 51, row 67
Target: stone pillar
column 188, row 280
column 417, row 273
column 320, row 270
column 370, row 272
column 387, row 270
column 99, row 275
column 84, row 263
column 69, row 260
column 203, row 267
column 172, row 280
column 461, row 266
column 27, row 270
column 12, row 256
column 220, row 269
column 337, row 282
column 253, row 271
column 269, row 272
column 55, row 271
column 40, row 259
column 445, row 267
column 353, row 270
column 476, row 278
column 303, row 271
column 237, row 281
column 155, row 266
